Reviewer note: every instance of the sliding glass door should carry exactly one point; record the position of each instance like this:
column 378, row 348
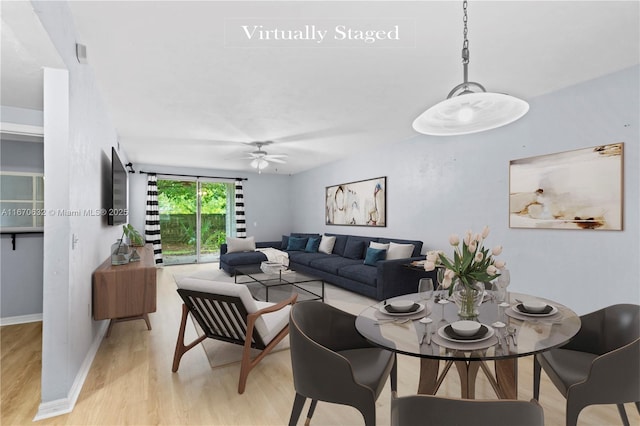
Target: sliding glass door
column 194, row 219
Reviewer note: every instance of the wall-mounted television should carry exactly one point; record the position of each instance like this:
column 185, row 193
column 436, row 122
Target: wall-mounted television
column 118, row 210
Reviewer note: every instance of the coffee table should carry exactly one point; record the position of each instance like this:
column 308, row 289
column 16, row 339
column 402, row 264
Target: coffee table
column 307, row 286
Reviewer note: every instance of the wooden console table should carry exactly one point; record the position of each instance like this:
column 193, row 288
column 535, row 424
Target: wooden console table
column 125, row 292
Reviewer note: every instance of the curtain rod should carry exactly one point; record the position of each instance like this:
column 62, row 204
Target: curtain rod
column 195, row 176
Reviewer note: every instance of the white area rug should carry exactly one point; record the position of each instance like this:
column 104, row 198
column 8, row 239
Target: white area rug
column 222, row 353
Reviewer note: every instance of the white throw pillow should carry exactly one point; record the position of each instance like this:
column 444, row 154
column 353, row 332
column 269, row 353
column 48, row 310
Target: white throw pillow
column 240, row 244
column 399, row 251
column 326, row 244
column 379, row 246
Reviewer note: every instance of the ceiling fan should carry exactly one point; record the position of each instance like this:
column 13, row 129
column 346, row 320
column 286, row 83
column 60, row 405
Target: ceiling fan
column 260, row 158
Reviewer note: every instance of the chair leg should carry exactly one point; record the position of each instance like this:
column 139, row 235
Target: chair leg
column 623, row 414
column 298, row 403
column 536, row 378
column 572, row 413
column 312, row 408
column 369, row 414
column 181, row 348
column 638, row 406
column 394, row 374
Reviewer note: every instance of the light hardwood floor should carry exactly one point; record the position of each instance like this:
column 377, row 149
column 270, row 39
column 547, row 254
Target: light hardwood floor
column 131, row 382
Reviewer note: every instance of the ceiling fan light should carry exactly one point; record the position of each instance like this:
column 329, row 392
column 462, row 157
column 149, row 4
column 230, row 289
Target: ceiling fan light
column 259, row 163
column 470, row 113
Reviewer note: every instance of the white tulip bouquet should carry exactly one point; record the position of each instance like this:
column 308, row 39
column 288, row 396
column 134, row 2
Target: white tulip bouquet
column 471, row 262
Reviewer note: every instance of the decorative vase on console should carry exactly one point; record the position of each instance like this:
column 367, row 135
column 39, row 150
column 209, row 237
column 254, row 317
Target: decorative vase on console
column 120, row 253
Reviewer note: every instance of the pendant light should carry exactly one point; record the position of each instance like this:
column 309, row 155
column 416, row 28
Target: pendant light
column 469, row 108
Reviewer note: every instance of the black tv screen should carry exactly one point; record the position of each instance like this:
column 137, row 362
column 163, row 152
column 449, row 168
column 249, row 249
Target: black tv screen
column 117, row 214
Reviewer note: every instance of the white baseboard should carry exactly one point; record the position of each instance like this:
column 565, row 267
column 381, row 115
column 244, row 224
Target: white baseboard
column 62, row 406
column 21, row 319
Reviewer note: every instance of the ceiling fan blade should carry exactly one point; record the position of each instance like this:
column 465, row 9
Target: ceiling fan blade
column 268, row 156
column 275, row 160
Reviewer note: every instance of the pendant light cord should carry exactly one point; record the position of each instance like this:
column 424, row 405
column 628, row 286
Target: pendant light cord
column 465, row 86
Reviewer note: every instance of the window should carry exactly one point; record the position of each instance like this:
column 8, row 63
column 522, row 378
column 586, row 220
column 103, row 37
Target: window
column 21, row 201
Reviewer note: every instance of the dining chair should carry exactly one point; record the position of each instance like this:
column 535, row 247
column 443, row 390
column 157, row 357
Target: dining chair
column 433, row 410
column 601, row 365
column 228, row 312
column 333, row 363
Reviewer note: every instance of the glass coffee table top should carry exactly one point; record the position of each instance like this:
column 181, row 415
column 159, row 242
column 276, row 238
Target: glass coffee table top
column 274, row 287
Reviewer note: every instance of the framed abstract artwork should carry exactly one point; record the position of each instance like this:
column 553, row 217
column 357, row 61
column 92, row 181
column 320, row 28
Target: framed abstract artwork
column 362, row 203
column 579, row 189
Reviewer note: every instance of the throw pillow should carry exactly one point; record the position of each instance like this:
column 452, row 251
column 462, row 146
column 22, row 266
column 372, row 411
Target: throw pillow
column 296, row 244
column 373, row 255
column 285, row 242
column 354, row 249
column 235, row 245
column 312, row 245
column 379, row 246
column 399, row 251
column 326, row 244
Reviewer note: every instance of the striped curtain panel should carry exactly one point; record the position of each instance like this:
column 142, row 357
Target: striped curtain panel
column 241, row 223
column 152, row 218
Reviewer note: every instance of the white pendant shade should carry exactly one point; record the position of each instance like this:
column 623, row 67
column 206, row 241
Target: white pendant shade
column 470, row 113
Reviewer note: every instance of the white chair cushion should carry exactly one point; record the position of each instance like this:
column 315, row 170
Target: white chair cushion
column 268, row 325
column 399, row 251
column 235, row 245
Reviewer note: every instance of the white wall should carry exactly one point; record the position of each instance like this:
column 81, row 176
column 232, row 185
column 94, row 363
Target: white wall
column 267, row 199
column 78, row 140
column 442, row 185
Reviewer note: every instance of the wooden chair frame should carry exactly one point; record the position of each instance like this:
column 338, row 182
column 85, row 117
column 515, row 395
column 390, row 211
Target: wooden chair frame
column 226, row 318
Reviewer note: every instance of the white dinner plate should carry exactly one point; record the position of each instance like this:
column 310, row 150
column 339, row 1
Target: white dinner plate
column 400, row 314
column 490, row 333
column 554, row 311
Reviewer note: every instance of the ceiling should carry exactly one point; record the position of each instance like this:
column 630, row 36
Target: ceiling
column 185, row 87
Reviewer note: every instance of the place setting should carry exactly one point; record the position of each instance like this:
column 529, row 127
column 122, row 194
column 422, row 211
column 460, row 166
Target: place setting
column 399, row 311
column 465, row 335
column 532, row 309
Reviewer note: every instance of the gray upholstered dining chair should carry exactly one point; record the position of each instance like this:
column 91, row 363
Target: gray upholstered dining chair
column 333, row 363
column 433, row 410
column 601, row 365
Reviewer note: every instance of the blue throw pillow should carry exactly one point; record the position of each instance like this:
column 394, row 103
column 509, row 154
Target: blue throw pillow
column 373, row 255
column 296, row 244
column 312, row 245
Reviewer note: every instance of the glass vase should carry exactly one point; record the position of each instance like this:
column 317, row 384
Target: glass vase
column 120, row 253
column 468, row 298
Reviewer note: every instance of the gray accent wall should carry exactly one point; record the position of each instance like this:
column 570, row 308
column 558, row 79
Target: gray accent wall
column 442, row 185
column 21, row 269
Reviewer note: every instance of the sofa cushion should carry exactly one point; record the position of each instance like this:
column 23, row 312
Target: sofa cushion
column 296, row 244
column 332, row 263
column 354, row 249
column 305, row 258
column 312, row 245
column 381, row 246
column 399, row 251
column 341, row 242
column 235, row 245
column 360, row 272
column 326, row 244
column 285, row 242
column 373, row 255
column 243, row 258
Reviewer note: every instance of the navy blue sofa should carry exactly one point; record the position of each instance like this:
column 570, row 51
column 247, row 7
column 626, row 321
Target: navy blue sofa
column 343, row 268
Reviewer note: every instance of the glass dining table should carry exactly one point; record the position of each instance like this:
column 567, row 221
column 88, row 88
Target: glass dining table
column 509, row 332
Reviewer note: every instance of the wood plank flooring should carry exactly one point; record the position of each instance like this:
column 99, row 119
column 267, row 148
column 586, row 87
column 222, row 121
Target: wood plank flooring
column 131, row 382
